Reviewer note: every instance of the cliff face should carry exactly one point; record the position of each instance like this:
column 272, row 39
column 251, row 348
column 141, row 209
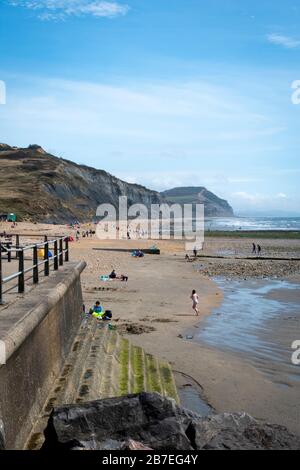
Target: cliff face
column 41, row 187
column 44, row 188
column 213, row 205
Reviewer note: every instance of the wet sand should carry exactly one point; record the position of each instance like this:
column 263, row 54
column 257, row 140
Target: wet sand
column 258, row 320
column 158, row 295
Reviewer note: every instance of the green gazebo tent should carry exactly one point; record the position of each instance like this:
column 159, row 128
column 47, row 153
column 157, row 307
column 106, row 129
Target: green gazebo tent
column 11, row 217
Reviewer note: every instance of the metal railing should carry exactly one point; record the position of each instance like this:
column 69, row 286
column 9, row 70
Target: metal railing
column 50, row 253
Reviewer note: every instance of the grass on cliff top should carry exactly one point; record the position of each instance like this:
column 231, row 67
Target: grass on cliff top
column 274, row 234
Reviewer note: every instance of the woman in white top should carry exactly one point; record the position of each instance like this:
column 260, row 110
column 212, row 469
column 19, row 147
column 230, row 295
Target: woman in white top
column 195, row 300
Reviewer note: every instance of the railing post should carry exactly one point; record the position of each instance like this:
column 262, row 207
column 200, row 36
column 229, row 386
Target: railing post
column 35, row 265
column 46, row 258
column 67, row 249
column 21, row 280
column 17, row 245
column 1, row 299
column 61, row 252
column 9, row 244
column 55, row 256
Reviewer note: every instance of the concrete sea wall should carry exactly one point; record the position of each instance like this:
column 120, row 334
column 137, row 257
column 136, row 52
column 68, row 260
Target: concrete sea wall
column 37, row 333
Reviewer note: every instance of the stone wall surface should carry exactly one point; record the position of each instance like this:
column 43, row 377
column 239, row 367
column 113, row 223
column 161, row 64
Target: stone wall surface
column 38, row 331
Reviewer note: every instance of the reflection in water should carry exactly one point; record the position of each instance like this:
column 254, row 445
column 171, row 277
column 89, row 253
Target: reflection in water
column 260, row 320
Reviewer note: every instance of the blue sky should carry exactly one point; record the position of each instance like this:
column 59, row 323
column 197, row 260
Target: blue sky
column 160, row 92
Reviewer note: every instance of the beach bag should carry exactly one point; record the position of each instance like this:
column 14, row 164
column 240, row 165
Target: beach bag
column 108, row 314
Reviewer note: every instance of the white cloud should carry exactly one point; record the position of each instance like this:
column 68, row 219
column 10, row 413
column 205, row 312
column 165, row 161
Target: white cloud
column 172, row 121
column 257, row 198
column 284, row 41
column 160, row 134
column 48, row 10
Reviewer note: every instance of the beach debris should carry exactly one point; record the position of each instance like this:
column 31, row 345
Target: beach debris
column 134, row 328
column 158, row 423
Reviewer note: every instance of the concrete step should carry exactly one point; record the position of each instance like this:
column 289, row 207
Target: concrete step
column 67, row 383
column 103, row 364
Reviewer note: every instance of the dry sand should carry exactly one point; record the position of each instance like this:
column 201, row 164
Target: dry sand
column 157, row 295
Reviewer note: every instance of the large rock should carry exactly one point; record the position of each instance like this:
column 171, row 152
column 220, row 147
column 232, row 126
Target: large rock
column 105, row 424
column 239, row 431
column 158, row 423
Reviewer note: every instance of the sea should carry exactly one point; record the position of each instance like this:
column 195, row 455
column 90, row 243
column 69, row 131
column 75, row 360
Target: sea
column 252, row 223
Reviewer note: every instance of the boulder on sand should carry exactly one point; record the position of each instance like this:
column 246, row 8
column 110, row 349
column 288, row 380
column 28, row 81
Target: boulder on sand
column 158, row 423
column 150, row 419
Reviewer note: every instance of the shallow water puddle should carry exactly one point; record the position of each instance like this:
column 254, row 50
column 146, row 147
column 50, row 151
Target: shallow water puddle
column 190, row 399
column 259, row 319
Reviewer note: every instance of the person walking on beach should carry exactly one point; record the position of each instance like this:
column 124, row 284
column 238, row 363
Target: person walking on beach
column 253, row 249
column 258, row 250
column 195, row 300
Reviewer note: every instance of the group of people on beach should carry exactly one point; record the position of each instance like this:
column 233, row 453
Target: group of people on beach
column 84, row 234
column 256, row 249
column 97, row 311
column 189, row 258
column 122, row 277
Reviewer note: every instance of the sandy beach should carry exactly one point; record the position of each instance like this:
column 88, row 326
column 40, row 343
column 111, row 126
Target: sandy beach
column 154, row 310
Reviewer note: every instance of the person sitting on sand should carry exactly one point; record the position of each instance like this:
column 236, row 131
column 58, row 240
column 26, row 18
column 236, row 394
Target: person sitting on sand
column 124, row 278
column 113, row 275
column 139, row 254
column 195, row 300
column 98, row 309
column 99, row 313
